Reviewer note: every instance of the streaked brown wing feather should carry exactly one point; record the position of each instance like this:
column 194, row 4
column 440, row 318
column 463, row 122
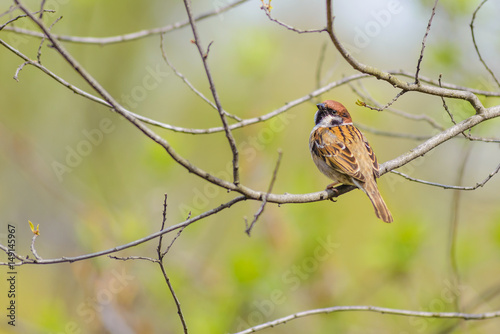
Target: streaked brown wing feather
column 328, row 145
column 373, row 158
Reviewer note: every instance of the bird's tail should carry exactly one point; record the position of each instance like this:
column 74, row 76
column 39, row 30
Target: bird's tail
column 381, row 209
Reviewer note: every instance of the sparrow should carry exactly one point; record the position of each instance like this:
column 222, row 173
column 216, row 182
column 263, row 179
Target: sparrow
column 342, row 153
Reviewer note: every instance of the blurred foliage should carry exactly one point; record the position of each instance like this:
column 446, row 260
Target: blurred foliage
column 299, row 257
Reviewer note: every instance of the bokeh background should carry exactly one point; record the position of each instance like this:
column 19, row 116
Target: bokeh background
column 299, row 257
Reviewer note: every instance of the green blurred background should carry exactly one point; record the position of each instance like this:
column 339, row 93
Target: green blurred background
column 299, row 257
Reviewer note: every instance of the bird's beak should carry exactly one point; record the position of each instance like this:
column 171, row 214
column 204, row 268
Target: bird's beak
column 320, row 106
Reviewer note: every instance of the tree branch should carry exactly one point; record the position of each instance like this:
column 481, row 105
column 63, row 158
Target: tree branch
column 383, row 310
column 479, row 184
column 204, row 56
column 131, row 36
column 25, row 260
column 417, row 81
column 475, row 44
column 289, row 27
column 393, row 80
column 264, row 200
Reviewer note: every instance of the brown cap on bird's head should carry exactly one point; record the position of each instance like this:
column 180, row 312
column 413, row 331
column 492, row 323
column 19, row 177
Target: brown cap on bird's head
column 334, row 108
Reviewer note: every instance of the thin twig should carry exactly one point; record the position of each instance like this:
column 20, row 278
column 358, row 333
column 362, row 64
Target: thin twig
column 248, row 193
column 394, row 80
column 383, row 310
column 19, row 69
column 475, row 44
column 24, row 260
column 445, row 84
column 229, row 135
column 254, row 120
column 161, row 255
column 421, row 117
column 455, row 209
column 289, row 27
column 243, row 123
column 5, row 25
column 8, row 11
column 479, row 184
column 42, row 4
column 319, row 66
column 39, row 52
column 466, row 135
column 423, row 42
column 174, row 296
column 391, row 134
column 131, row 36
column 385, row 106
column 264, row 199
column 164, row 219
column 445, row 106
column 172, row 242
column 33, row 250
column 188, row 83
column 127, row 258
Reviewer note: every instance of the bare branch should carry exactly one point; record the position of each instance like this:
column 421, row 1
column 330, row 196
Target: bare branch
column 127, row 258
column 391, row 134
column 475, row 44
column 19, row 69
column 393, row 80
column 383, row 310
column 445, row 106
column 453, row 228
column 479, row 184
column 289, row 27
column 188, row 83
column 257, row 195
column 32, row 248
column 445, row 84
column 176, row 300
column 319, row 66
column 421, row 117
column 161, row 255
column 42, row 4
column 131, row 36
column 24, row 260
column 5, row 25
column 360, row 103
column 229, row 135
column 264, row 198
column 423, row 42
column 39, row 52
column 160, row 239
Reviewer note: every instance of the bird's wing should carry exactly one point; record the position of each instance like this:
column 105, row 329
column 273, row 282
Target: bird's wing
column 372, row 156
column 332, row 144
